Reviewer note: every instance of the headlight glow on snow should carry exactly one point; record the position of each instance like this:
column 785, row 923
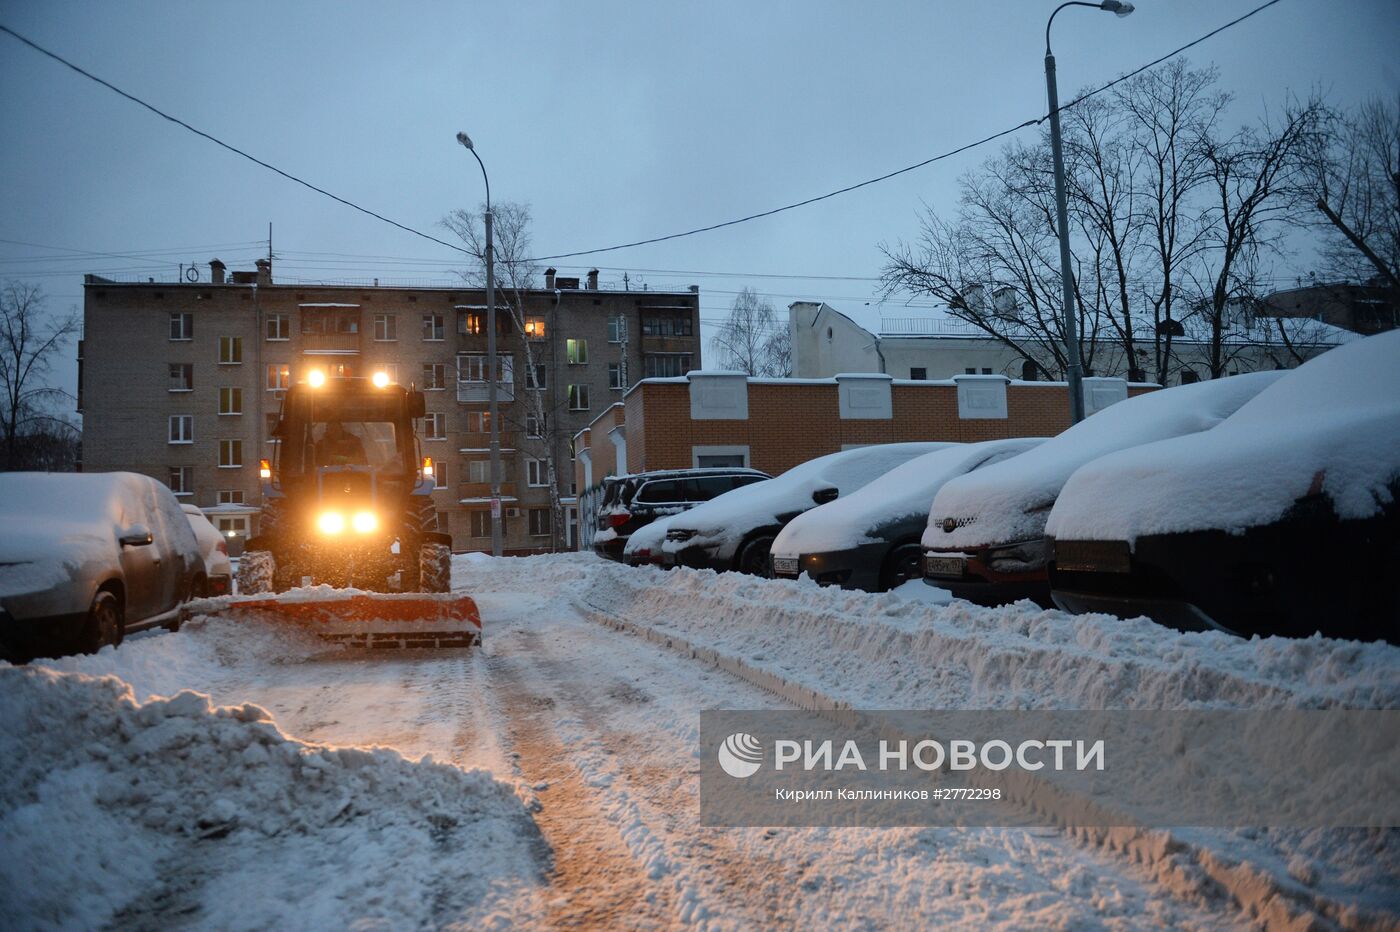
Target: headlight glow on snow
column 331, row 522
column 364, row 522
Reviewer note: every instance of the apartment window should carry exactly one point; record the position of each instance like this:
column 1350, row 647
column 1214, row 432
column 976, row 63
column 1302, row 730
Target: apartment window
column 432, row 326
column 918, row 373
column 434, row 376
column 386, row 327
column 534, row 328
column 182, row 480
column 578, row 397
column 182, row 377
column 390, row 369
column 471, row 367
column 230, row 454
column 537, row 377
column 1030, row 372
column 539, row 522
column 230, row 496
column 270, row 425
column 479, row 471
column 666, row 365
column 666, row 325
column 615, row 375
column 617, row 329
column 535, row 474
column 1189, row 376
column 230, row 401
column 439, row 475
column 279, row 327
column 182, row 327
column 481, row 524
column 478, row 422
column 181, row 428
column 577, row 352
column 329, row 321
column 972, row 370
column 230, row 351
column 434, row 426
column 472, row 323
column 279, row 376
column 532, row 427
column 233, row 527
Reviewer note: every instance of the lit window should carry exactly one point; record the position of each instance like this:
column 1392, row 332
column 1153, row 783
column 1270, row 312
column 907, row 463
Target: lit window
column 279, row 376
column 577, row 351
column 534, row 328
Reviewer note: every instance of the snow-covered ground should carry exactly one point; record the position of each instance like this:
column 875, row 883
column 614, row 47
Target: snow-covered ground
column 562, row 786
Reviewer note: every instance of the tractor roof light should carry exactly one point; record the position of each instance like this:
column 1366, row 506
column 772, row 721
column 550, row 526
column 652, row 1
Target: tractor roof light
column 264, row 469
column 428, row 466
column 381, row 379
column 315, row 378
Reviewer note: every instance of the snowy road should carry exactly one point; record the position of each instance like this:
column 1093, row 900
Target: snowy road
column 597, row 730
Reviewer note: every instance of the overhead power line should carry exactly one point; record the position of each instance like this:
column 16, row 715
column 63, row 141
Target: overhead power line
column 656, row 239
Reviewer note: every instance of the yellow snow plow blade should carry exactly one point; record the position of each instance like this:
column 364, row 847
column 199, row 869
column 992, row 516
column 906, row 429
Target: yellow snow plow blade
column 379, row 620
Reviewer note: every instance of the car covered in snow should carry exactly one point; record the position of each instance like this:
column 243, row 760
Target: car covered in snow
column 985, row 540
column 1281, row 520
column 218, row 569
column 736, row 530
column 644, row 546
column 870, row 539
column 86, row 558
column 633, row 502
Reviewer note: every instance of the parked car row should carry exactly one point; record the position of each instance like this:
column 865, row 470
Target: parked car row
column 1263, row 503
column 87, row 558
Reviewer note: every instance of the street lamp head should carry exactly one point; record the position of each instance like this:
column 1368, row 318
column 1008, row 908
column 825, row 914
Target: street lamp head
column 1118, row 7
column 466, row 140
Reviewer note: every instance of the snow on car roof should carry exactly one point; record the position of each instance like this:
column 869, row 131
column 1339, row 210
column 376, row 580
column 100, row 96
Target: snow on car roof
column 903, row 492
column 1010, row 501
column 761, row 502
column 1334, row 420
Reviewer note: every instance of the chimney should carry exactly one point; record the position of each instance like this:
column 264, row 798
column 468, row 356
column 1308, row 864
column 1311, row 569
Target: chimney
column 592, row 279
column 264, row 271
column 216, row 271
column 549, row 278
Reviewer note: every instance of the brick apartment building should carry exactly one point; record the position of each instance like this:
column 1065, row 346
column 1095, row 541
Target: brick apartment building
column 183, row 381
column 728, row 419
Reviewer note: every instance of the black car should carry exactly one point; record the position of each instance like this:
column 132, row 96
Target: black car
column 1284, row 519
column 632, row 502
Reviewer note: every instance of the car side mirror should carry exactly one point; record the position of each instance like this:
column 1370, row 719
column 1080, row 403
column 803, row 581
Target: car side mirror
column 828, row 494
column 138, row 535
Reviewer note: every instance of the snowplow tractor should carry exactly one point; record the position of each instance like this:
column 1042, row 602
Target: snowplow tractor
column 347, row 499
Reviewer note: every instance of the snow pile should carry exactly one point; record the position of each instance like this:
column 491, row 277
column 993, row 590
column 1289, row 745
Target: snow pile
column 1335, row 418
column 730, row 516
column 113, row 812
column 903, row 493
column 1010, row 501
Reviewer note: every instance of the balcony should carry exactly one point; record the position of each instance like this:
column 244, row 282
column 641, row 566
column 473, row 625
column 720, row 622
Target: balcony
column 482, row 490
column 477, row 392
column 481, row 440
column 330, row 344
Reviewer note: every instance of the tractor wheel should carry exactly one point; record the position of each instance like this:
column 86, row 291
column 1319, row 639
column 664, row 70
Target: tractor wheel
column 255, row 572
column 435, row 568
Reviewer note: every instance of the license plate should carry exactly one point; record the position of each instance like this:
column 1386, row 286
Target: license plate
column 944, row 566
column 786, row 566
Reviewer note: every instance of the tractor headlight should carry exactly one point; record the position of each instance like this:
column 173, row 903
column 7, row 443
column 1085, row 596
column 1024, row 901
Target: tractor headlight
column 364, row 522
column 331, row 522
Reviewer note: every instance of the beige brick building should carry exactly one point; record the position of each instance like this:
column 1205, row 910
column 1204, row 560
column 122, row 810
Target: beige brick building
column 182, row 381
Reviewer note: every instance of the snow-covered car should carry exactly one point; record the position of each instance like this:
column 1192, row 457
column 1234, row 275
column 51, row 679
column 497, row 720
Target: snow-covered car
column 644, row 545
column 870, row 539
column 1284, row 519
column 86, row 558
column 985, row 540
column 634, row 501
column 736, row 530
column 218, row 570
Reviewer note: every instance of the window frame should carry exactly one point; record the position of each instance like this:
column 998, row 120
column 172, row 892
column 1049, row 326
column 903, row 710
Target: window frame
column 576, row 351
column 230, row 445
column 578, row 391
column 181, row 437
column 233, row 393
column 434, row 376
column 278, row 323
column 434, row 426
column 230, row 351
column 390, row 328
column 187, row 369
column 182, row 489
column 540, row 477
column 547, row 521
column 186, row 328
column 433, row 324
column 280, row 369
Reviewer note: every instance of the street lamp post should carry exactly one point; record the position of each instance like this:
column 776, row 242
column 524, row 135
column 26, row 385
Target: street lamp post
column 1075, row 369
column 491, row 400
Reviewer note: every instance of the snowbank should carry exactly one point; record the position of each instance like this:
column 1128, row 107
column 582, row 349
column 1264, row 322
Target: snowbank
column 172, row 812
column 1336, row 417
column 1011, row 501
column 904, row 492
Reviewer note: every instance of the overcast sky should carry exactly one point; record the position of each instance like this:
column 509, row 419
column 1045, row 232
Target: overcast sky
column 614, row 121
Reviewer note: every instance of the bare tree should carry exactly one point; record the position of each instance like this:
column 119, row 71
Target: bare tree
column 29, row 338
column 538, row 422
column 751, row 340
column 1352, row 179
